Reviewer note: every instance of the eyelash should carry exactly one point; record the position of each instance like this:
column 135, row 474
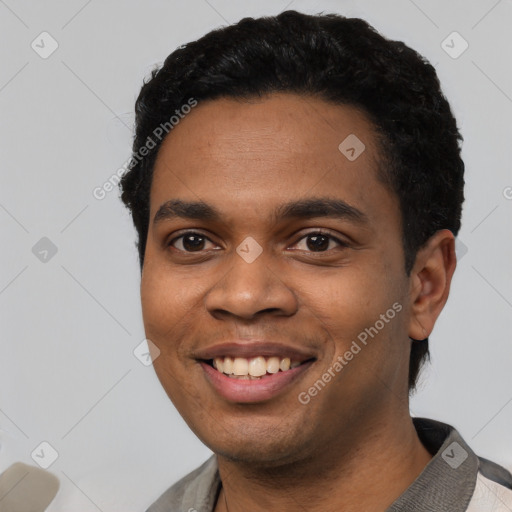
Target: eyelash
column 311, row 233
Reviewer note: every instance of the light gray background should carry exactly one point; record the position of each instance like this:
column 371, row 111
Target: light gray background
column 69, row 325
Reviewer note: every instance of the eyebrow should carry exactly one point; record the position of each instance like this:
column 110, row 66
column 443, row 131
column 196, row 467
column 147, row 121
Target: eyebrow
column 321, row 207
column 185, row 209
column 301, row 209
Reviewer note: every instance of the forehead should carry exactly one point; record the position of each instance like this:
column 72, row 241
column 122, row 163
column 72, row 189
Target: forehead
column 259, row 153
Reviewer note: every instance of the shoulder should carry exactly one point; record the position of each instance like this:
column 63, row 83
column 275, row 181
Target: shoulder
column 493, row 490
column 196, row 491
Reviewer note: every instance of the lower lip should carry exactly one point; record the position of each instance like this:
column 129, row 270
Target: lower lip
column 255, row 390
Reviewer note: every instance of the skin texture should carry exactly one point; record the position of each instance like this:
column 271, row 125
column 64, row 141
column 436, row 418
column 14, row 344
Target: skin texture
column 246, row 158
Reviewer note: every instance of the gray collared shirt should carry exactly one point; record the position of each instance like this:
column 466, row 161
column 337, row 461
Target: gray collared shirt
column 455, row 480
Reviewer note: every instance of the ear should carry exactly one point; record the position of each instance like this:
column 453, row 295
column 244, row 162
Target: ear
column 430, row 282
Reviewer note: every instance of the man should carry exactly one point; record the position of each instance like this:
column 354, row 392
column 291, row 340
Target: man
column 296, row 185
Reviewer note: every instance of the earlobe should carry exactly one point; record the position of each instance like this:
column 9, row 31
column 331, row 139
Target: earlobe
column 430, row 282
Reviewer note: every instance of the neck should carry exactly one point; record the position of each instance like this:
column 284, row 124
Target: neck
column 366, row 471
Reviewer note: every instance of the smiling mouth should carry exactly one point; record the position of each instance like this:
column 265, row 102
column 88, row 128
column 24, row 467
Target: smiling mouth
column 254, row 368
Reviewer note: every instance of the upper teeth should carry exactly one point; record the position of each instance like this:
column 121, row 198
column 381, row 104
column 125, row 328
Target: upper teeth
column 254, row 367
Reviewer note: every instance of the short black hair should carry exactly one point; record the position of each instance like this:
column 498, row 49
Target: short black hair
column 341, row 60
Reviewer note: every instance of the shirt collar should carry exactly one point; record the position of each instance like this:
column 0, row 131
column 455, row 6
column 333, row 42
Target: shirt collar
column 446, row 483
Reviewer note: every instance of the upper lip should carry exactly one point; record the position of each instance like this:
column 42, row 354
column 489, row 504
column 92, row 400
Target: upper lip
column 253, row 349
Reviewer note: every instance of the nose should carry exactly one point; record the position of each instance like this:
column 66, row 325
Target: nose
column 250, row 289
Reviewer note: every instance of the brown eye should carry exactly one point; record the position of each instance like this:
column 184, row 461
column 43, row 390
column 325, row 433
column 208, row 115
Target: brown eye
column 319, row 242
column 190, row 242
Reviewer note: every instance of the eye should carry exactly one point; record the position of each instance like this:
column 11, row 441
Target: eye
column 190, row 242
column 319, row 242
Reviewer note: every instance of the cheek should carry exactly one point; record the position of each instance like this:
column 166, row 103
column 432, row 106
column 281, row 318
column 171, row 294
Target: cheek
column 167, row 307
column 351, row 297
column 361, row 308
column 166, row 293
column 166, row 311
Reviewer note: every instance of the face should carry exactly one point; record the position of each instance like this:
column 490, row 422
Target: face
column 269, row 246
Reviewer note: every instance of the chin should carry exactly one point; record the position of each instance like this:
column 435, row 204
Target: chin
column 267, row 445
column 258, row 456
